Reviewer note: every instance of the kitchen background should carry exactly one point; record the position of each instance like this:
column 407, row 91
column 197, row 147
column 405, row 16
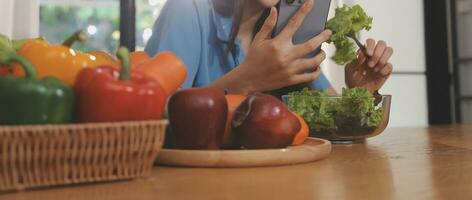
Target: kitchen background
column 463, row 59
column 400, row 22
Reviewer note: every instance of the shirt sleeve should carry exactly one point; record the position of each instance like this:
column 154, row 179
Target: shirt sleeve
column 178, row 30
column 321, row 83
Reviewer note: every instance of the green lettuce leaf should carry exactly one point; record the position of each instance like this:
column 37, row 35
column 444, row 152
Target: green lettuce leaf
column 355, row 111
column 5, row 43
column 347, row 20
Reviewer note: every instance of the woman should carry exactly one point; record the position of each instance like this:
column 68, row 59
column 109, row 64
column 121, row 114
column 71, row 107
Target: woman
column 227, row 44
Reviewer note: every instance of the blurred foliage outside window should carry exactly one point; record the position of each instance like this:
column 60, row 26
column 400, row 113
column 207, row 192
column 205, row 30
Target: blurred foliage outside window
column 99, row 18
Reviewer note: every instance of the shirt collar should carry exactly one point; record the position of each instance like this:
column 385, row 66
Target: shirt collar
column 223, row 25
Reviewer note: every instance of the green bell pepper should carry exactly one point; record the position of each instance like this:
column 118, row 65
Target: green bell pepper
column 29, row 100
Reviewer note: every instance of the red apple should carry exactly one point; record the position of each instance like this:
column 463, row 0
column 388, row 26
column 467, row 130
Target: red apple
column 197, row 118
column 262, row 121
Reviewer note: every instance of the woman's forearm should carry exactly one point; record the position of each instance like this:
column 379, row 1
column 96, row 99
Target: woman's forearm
column 232, row 83
column 331, row 91
column 237, row 82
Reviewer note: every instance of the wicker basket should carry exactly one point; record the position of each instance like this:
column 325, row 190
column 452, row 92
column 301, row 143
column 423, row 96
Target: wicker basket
column 38, row 156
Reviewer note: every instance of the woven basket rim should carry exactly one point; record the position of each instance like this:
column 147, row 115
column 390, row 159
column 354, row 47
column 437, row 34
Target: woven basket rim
column 37, row 156
column 82, row 125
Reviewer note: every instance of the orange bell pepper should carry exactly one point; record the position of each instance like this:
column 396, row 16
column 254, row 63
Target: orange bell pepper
column 167, row 68
column 138, row 57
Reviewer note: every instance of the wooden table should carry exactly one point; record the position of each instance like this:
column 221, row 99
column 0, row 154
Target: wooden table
column 402, row 163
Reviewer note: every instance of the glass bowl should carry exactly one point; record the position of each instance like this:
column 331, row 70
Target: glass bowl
column 343, row 128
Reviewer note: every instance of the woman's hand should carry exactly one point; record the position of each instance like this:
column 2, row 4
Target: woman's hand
column 370, row 72
column 273, row 63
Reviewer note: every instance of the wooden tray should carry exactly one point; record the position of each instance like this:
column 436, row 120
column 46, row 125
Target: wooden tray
column 312, row 150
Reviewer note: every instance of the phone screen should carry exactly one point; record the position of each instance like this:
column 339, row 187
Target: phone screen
column 313, row 24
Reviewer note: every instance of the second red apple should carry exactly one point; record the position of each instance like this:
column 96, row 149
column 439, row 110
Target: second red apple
column 262, row 122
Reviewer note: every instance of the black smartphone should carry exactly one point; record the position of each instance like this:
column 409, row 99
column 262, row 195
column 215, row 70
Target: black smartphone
column 313, row 25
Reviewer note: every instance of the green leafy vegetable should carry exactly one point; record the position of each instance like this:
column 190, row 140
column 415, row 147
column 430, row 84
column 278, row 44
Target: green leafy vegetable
column 354, row 112
column 5, row 43
column 347, row 20
column 5, row 47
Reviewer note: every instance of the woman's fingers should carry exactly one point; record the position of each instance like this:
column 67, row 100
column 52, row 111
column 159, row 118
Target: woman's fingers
column 370, row 47
column 305, row 64
column 379, row 50
column 387, row 70
column 361, row 58
column 307, row 69
column 296, row 21
column 267, row 27
column 384, row 58
column 312, row 44
column 305, row 77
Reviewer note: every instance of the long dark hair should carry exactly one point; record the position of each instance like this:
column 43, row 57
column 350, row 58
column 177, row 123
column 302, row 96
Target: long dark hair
column 235, row 8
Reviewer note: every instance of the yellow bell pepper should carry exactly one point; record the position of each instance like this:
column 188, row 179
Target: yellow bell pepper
column 59, row 61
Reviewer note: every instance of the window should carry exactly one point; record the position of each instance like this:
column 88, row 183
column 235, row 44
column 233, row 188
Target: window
column 147, row 12
column 100, row 19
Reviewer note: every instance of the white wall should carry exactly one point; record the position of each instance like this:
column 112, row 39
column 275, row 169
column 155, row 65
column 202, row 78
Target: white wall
column 26, row 19
column 6, row 21
column 20, row 18
column 401, row 24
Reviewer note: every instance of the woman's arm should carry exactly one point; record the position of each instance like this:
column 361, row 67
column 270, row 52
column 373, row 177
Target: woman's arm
column 331, row 91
